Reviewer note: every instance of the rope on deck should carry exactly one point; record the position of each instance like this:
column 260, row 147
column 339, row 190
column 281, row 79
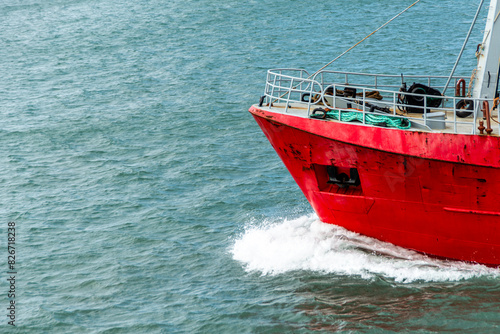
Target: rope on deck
column 371, row 119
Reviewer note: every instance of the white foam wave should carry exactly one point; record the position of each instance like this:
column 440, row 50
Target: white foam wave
column 306, row 243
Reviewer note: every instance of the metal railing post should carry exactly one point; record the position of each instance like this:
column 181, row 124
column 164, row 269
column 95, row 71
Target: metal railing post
column 364, row 105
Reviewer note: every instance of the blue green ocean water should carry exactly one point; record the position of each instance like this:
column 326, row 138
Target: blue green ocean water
column 147, row 200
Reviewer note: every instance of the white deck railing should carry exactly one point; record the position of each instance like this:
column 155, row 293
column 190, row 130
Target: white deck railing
column 296, row 87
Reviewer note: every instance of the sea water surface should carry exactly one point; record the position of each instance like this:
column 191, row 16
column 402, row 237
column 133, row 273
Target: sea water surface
column 146, row 199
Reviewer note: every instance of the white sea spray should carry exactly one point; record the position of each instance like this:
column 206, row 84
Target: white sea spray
column 306, row 243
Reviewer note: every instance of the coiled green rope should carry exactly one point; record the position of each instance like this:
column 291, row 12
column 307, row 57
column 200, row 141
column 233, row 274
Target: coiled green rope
column 372, row 119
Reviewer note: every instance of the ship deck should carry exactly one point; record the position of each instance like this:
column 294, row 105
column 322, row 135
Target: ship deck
column 295, row 92
column 449, row 125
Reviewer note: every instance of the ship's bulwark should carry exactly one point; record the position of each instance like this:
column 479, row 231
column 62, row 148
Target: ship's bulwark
column 432, row 192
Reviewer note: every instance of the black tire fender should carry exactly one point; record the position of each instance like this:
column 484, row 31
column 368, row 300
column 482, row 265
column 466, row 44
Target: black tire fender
column 464, row 108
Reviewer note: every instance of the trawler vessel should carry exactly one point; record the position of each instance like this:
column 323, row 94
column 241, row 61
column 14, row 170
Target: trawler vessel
column 411, row 160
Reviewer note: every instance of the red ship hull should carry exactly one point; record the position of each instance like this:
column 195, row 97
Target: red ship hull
column 435, row 193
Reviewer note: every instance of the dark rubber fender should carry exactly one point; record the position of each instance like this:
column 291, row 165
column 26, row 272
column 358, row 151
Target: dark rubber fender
column 467, row 105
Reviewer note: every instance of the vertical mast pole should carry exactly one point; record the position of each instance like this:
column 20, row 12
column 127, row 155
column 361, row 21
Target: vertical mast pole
column 489, row 56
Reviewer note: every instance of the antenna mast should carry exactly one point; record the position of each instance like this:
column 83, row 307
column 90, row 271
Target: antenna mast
column 488, row 54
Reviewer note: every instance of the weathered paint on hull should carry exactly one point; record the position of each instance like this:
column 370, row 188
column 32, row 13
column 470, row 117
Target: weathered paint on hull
column 434, row 193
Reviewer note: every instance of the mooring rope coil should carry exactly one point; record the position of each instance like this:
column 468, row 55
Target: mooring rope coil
column 371, row 119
